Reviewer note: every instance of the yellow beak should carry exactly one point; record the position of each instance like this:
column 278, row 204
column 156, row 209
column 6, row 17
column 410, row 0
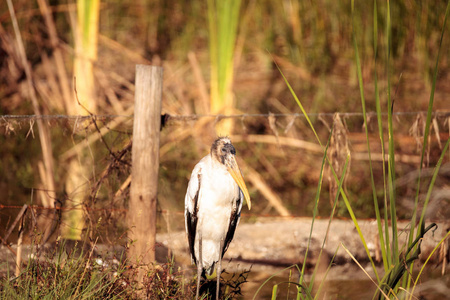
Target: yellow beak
column 237, row 176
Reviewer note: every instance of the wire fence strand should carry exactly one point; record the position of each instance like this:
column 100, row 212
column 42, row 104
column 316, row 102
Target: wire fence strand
column 221, row 116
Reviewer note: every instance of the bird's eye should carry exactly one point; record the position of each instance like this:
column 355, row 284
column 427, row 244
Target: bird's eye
column 224, row 150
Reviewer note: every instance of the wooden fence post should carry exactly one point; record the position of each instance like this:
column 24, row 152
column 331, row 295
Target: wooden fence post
column 145, row 164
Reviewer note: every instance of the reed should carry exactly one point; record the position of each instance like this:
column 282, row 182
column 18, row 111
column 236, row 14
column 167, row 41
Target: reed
column 223, row 19
column 397, row 281
column 86, row 29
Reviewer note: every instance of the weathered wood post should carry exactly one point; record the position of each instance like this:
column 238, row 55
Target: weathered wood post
column 145, row 164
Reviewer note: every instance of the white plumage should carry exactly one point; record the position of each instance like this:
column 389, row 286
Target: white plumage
column 213, row 206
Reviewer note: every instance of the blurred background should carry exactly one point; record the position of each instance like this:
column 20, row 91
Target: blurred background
column 63, row 160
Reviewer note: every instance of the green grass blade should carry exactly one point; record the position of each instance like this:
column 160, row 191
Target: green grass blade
column 425, row 143
column 426, row 262
column 213, row 50
column 336, row 178
column 391, row 147
column 433, row 180
column 363, row 105
column 341, row 181
column 316, row 205
column 274, row 292
column 273, row 275
column 390, row 282
column 342, row 192
column 223, row 17
column 362, row 268
column 300, row 105
column 324, row 282
column 430, row 109
column 384, row 242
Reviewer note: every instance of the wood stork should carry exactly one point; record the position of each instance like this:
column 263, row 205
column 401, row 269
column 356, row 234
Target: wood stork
column 213, row 206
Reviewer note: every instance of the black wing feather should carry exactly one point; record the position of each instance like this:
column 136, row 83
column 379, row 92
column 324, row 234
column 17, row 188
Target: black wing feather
column 234, row 220
column 191, row 222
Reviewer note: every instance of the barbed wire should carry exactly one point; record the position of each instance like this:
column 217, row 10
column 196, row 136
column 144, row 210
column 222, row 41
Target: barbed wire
column 38, row 207
column 58, row 117
column 300, row 115
column 222, row 116
column 160, row 211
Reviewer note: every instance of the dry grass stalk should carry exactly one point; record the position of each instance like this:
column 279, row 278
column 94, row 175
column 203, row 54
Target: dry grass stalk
column 282, row 141
column 273, row 126
column 115, row 163
column 95, row 137
column 49, row 89
column 44, row 134
column 19, row 248
column 18, row 218
column 85, row 268
column 301, row 72
column 268, row 165
column 58, row 56
column 123, row 187
column 261, row 185
column 109, row 92
column 443, row 254
column 338, row 152
column 202, row 104
column 436, row 131
column 176, row 137
column 47, row 197
column 119, row 48
column 403, row 158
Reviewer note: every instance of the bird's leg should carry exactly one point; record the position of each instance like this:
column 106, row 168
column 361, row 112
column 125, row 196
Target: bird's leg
column 199, row 274
column 199, row 263
column 219, row 269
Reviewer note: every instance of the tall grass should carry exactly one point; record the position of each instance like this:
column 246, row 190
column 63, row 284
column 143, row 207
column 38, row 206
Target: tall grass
column 69, row 272
column 77, row 270
column 398, row 260
column 65, row 275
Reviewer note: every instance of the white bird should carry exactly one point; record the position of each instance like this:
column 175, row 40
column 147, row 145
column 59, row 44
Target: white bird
column 213, row 206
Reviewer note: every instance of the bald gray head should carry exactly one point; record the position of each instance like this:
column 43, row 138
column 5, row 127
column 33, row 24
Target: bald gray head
column 223, row 151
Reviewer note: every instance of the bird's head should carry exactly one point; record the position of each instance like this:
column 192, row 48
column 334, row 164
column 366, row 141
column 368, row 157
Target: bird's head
column 224, row 152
